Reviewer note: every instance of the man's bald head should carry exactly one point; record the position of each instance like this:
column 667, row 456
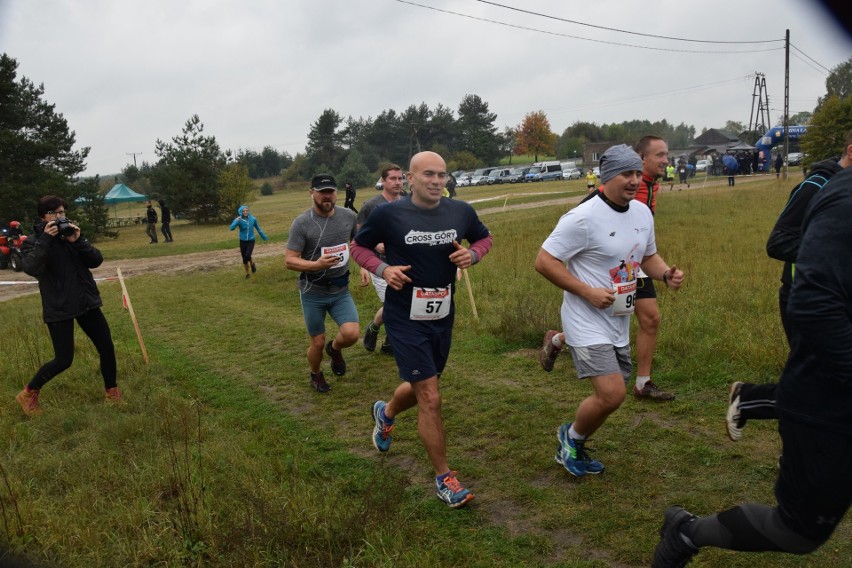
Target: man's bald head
column 420, row 159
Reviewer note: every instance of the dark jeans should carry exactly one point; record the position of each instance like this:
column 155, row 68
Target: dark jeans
column 166, row 230
column 94, row 324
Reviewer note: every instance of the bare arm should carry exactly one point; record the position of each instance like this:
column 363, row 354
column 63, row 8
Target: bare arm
column 556, row 272
column 294, row 261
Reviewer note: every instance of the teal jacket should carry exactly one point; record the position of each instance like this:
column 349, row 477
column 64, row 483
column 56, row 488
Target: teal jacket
column 247, row 226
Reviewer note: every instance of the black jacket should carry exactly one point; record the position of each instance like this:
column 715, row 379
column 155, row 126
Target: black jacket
column 152, row 215
column 816, row 384
column 783, row 243
column 65, row 280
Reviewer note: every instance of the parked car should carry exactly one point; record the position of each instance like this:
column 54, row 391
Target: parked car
column 597, row 171
column 702, row 165
column 573, row 173
column 463, row 179
column 480, row 176
column 795, row 158
column 516, row 175
column 498, row 175
column 544, row 171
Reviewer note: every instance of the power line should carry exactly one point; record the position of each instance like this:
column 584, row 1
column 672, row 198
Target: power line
column 508, row 25
column 803, row 60
column 811, row 58
column 618, row 30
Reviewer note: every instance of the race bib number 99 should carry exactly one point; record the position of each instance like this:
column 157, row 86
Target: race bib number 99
column 625, row 298
column 340, row 251
column 430, row 303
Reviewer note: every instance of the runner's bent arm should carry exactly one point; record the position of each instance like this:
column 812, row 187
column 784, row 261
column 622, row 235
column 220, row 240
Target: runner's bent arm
column 556, row 272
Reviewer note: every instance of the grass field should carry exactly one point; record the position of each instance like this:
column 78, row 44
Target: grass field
column 223, row 456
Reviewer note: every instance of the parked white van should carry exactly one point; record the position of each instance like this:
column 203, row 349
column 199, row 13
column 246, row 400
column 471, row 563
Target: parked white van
column 543, row 171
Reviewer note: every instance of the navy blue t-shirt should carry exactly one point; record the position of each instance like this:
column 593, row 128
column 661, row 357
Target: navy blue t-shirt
column 422, row 238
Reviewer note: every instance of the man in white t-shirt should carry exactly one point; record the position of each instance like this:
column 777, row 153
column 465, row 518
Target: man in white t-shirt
column 594, row 255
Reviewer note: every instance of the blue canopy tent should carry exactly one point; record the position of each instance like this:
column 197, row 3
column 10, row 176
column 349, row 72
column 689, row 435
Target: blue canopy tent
column 120, row 193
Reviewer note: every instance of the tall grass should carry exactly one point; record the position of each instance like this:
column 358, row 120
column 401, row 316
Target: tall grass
column 223, row 456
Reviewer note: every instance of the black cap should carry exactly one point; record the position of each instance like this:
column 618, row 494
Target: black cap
column 321, row 182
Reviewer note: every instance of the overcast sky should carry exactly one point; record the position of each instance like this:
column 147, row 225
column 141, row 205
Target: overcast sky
column 260, row 72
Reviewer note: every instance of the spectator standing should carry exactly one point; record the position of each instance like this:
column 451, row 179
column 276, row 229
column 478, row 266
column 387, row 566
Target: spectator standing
column 350, row 197
column 151, row 225
column 165, row 221
column 779, row 163
column 62, row 263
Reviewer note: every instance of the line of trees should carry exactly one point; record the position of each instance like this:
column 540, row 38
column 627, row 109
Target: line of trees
column 204, row 183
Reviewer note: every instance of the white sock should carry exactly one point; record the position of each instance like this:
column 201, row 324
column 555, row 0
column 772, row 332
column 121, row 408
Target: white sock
column 574, row 435
column 640, row 381
column 556, row 341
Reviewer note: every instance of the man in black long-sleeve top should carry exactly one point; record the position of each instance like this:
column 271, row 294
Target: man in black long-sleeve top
column 757, row 402
column 814, row 407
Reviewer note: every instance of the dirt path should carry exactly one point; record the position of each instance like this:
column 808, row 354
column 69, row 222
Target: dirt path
column 16, row 284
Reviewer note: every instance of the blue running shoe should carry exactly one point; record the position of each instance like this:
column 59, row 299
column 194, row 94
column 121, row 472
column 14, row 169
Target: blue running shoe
column 381, row 432
column 451, row 492
column 573, row 456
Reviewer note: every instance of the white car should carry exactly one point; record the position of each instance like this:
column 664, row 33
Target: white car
column 573, row 173
column 597, row 171
column 701, row 165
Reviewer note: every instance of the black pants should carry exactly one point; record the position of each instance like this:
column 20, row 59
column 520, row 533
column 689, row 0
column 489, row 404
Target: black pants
column 94, row 324
column 167, row 231
column 246, row 249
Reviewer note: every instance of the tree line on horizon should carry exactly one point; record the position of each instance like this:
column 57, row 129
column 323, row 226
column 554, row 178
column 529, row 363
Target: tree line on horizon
column 202, row 182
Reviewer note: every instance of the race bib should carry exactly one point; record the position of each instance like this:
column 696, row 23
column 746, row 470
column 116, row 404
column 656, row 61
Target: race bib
column 625, row 298
column 340, row 251
column 430, row 303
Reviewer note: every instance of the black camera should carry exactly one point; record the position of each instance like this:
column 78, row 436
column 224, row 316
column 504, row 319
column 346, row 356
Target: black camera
column 64, row 226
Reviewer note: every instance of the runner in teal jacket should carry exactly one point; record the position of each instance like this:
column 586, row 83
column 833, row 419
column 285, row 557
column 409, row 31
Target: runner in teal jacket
column 247, row 224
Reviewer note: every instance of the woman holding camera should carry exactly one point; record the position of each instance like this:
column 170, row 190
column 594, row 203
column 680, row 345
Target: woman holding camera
column 60, row 258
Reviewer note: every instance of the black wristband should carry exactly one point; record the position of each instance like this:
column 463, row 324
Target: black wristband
column 666, row 278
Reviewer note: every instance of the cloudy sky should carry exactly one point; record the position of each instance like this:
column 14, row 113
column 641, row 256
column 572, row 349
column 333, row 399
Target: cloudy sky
column 258, row 72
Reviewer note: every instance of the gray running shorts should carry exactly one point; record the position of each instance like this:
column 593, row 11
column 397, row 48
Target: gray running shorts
column 600, row 360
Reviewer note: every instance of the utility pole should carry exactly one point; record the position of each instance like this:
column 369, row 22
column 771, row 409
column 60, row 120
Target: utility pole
column 786, row 101
column 134, row 156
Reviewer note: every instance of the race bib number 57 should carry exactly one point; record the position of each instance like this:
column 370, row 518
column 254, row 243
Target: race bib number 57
column 430, row 303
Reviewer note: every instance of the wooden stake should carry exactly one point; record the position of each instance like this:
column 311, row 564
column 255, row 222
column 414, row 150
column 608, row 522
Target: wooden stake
column 505, row 201
column 470, row 294
column 125, row 300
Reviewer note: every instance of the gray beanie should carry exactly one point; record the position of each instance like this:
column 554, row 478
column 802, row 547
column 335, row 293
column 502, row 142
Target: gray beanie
column 621, row 158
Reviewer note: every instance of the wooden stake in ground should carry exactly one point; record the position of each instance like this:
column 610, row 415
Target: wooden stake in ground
column 125, row 301
column 470, row 293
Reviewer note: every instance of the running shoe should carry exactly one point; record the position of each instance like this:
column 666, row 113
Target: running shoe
column 673, row 551
column 451, row 491
column 652, row 392
column 387, row 348
column 733, row 422
column 382, row 431
column 338, row 365
column 113, row 396
column 318, row 383
column 370, row 337
column 547, row 354
column 28, row 399
column 572, row 455
column 253, row 268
